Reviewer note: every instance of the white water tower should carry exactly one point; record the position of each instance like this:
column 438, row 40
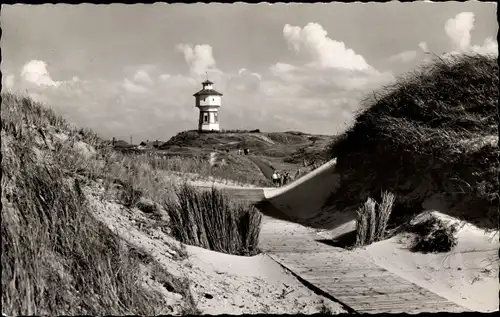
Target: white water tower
column 208, row 101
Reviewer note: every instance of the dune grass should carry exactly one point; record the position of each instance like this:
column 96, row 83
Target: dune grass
column 372, row 219
column 56, row 257
column 237, row 169
column 209, row 219
column 432, row 235
column 433, row 132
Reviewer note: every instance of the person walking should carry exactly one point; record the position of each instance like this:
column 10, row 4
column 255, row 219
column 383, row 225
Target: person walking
column 286, row 178
column 297, row 174
column 275, row 178
column 280, row 179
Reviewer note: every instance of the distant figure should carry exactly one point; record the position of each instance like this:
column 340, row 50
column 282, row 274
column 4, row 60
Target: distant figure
column 239, row 151
column 275, row 178
column 245, row 151
column 248, row 151
column 280, row 179
column 286, row 178
column 297, row 174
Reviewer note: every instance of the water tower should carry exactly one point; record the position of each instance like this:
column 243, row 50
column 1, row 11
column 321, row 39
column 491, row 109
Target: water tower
column 208, row 101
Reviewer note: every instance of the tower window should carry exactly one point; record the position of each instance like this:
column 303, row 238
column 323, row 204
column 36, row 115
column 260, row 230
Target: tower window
column 205, row 117
column 215, row 118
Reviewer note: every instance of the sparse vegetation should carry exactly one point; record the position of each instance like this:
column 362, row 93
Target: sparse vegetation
column 240, row 131
column 56, row 257
column 209, row 219
column 372, row 219
column 291, row 148
column 324, row 309
column 433, row 132
column 432, row 235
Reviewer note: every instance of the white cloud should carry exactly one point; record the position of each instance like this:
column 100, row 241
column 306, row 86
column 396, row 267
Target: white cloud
column 490, row 46
column 423, row 46
column 199, row 58
column 404, row 57
column 459, row 29
column 244, row 81
column 244, row 71
column 322, row 50
column 331, row 67
column 141, row 76
column 35, row 72
column 8, row 81
column 132, row 87
column 323, row 91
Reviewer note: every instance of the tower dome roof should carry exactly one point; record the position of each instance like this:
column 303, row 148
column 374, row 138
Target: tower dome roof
column 207, row 92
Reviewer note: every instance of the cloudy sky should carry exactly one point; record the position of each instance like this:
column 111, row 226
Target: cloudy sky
column 132, row 69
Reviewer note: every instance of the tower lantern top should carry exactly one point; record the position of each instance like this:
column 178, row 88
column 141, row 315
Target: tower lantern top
column 208, row 89
column 207, row 85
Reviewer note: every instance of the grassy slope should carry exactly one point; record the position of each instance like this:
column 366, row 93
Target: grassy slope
column 62, row 191
column 56, row 257
column 281, row 150
column 433, row 132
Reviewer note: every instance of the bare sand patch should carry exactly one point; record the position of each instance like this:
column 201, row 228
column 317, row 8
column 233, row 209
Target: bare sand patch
column 467, row 275
column 251, row 285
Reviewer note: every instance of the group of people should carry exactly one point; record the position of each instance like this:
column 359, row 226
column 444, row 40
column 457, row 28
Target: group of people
column 280, row 179
column 243, row 151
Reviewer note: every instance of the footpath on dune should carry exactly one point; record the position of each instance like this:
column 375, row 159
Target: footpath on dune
column 383, row 277
column 266, row 170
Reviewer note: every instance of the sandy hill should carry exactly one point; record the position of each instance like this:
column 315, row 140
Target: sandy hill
column 432, row 139
column 278, row 144
column 288, row 151
column 290, row 146
column 87, row 230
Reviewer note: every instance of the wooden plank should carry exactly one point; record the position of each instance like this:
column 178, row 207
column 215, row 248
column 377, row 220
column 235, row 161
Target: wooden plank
column 391, row 306
column 366, row 286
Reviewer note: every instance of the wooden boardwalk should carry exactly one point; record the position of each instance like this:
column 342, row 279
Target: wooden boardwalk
column 344, row 276
column 349, row 278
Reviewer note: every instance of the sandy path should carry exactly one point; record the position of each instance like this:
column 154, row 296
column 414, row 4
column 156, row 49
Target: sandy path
column 266, row 170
